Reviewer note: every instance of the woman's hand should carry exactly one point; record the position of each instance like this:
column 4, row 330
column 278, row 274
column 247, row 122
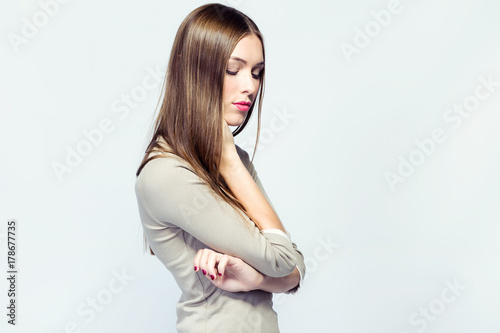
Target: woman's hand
column 229, row 155
column 227, row 272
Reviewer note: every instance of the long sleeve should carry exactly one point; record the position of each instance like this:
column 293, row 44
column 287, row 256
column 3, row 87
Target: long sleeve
column 173, row 196
column 299, row 256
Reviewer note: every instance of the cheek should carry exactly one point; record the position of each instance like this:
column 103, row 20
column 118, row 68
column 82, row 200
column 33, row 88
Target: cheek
column 228, row 88
column 257, row 85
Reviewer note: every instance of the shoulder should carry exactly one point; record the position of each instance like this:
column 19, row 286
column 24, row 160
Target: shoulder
column 168, row 171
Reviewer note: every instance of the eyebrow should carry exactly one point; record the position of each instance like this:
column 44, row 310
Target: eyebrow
column 244, row 61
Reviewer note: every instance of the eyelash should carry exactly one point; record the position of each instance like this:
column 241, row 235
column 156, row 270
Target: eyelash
column 257, row 77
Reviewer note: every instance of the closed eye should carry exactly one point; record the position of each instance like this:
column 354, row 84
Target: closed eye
column 259, row 75
column 255, row 76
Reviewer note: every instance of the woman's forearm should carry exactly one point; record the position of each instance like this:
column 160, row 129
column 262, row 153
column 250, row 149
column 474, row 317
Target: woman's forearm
column 244, row 188
column 233, row 274
column 280, row 285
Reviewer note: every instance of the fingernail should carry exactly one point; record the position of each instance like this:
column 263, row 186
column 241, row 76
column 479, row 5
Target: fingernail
column 212, row 277
column 195, row 268
column 220, row 274
column 204, row 272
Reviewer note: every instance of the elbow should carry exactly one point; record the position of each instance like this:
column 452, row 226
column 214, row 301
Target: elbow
column 283, row 265
column 280, row 254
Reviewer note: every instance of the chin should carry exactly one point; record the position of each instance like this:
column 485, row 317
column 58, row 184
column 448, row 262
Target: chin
column 235, row 120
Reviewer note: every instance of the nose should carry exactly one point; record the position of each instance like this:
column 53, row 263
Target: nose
column 249, row 85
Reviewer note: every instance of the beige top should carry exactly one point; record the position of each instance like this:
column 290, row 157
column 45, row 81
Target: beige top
column 180, row 215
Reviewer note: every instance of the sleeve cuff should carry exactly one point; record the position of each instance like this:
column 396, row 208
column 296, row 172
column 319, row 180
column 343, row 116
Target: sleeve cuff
column 277, row 232
column 300, row 273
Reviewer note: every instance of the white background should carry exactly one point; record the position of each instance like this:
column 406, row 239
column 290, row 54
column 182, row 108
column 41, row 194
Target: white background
column 378, row 256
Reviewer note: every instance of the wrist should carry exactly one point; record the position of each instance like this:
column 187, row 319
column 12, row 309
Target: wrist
column 280, row 285
column 231, row 164
column 260, row 282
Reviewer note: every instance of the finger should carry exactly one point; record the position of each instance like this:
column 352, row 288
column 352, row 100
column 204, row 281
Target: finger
column 203, row 260
column 211, row 262
column 196, row 261
column 221, row 268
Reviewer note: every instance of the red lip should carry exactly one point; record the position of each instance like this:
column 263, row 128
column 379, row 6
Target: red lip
column 242, row 106
column 243, row 103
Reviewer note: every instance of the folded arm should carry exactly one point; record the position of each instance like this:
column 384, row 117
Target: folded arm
column 242, row 179
column 300, row 264
column 234, row 275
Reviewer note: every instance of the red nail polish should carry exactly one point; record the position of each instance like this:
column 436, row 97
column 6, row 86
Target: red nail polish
column 220, row 274
column 204, row 272
column 212, row 277
column 195, row 268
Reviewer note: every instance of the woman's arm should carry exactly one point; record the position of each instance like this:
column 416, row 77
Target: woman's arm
column 233, row 274
column 244, row 188
column 280, row 285
column 241, row 177
column 239, row 180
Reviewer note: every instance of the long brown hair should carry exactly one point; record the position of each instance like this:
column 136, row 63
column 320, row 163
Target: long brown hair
column 191, row 115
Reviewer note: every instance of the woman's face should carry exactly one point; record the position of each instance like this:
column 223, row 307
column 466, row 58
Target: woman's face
column 242, row 79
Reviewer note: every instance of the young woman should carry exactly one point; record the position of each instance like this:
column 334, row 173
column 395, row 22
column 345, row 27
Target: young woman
column 202, row 206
